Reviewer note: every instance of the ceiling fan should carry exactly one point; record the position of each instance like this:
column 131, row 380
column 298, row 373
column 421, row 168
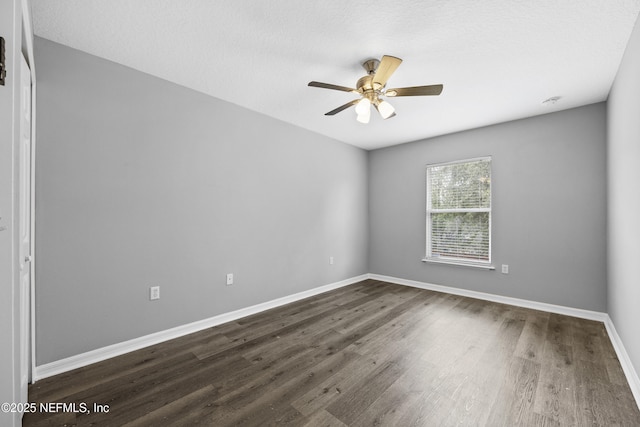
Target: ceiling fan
column 373, row 86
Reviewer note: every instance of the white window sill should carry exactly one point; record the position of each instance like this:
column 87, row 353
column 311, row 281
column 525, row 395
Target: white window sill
column 481, row 265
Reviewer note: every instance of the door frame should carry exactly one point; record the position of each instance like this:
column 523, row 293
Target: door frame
column 24, row 213
column 28, row 49
column 14, row 14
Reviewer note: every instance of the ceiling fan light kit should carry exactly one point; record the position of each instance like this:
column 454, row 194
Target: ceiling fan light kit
column 385, row 109
column 363, row 110
column 373, row 86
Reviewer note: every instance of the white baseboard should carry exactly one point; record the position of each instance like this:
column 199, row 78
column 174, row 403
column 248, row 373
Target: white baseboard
column 623, row 357
column 100, row 354
column 551, row 308
column 625, row 361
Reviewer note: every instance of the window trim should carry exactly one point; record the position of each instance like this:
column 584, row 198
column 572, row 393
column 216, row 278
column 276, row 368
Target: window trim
column 428, row 211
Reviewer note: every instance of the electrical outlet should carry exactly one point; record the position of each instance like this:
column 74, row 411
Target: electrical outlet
column 331, row 260
column 505, row 269
column 154, row 293
column 229, row 279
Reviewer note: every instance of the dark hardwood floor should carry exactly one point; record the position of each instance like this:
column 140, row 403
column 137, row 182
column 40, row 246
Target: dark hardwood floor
column 369, row 354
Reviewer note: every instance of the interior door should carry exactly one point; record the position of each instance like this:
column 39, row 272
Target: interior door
column 25, row 227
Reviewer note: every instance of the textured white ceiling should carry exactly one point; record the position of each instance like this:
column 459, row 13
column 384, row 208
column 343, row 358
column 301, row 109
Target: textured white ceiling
column 498, row 59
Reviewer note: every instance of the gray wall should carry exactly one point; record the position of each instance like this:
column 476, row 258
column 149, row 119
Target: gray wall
column 549, row 211
column 142, row 182
column 624, row 199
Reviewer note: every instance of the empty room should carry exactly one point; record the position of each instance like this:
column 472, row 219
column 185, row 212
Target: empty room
column 319, row 214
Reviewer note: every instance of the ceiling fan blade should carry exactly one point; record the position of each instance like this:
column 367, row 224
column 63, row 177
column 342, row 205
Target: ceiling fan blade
column 415, row 91
column 342, row 107
column 330, row 86
column 388, row 64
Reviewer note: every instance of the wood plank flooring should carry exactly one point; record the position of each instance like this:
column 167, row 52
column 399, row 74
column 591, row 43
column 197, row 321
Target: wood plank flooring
column 369, row 354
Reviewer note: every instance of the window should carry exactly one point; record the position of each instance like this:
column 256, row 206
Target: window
column 459, row 212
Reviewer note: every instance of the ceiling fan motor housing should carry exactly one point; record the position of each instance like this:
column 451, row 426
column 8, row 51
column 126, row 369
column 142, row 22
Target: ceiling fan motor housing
column 365, row 84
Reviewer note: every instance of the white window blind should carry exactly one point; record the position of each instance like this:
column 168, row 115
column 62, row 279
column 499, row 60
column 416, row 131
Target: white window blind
column 459, row 212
